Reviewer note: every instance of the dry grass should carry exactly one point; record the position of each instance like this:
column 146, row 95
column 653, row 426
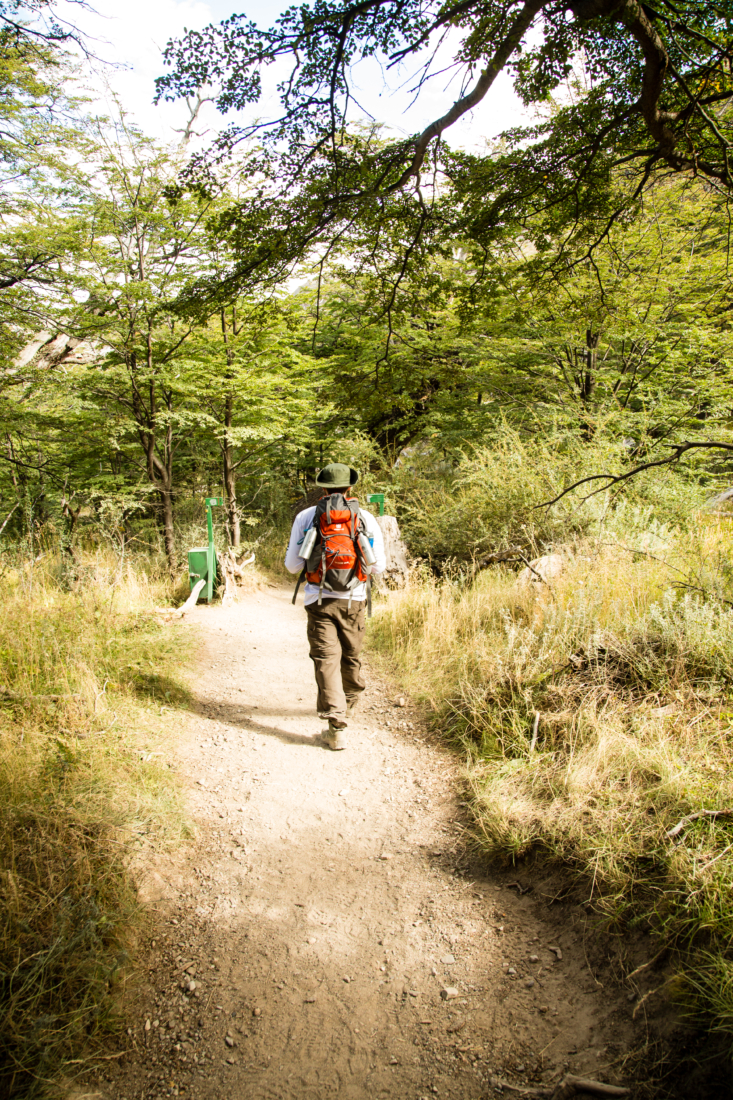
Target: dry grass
column 84, row 782
column 632, row 676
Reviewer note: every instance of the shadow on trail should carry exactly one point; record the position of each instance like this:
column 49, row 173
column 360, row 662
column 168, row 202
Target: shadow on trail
column 251, row 725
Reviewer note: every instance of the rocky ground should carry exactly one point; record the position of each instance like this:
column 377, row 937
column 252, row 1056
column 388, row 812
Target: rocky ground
column 325, row 935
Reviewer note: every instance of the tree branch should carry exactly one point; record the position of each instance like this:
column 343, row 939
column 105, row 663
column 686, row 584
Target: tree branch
column 462, row 106
column 614, row 479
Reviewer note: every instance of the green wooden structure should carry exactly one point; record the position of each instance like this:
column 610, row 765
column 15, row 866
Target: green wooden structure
column 202, row 559
column 377, row 498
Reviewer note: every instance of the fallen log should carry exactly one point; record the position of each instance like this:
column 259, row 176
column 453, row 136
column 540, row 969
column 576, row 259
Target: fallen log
column 190, row 602
column 23, row 697
column 512, row 553
column 231, row 570
column 396, row 555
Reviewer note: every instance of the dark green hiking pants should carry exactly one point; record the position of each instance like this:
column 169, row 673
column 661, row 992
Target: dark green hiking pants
column 335, row 637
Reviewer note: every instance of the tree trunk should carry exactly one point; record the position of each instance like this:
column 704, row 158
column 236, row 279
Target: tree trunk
column 591, row 360
column 229, row 472
column 166, row 501
column 587, row 380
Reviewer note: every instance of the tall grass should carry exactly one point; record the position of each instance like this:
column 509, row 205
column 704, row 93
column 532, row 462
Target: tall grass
column 84, row 783
column 595, row 713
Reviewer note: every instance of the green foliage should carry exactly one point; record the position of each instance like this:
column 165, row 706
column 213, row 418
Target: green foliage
column 640, row 96
column 489, row 500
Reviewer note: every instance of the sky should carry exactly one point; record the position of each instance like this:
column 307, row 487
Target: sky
column 130, row 35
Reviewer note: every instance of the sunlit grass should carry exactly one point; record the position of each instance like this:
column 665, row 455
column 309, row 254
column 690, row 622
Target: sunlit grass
column 84, row 784
column 627, row 658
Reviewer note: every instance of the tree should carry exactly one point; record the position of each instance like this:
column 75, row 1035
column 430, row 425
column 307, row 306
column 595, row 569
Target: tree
column 41, row 235
column 253, row 389
column 144, row 243
column 651, row 95
column 634, row 340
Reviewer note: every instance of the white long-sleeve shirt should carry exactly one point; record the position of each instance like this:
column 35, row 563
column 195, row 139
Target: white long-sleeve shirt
column 294, row 563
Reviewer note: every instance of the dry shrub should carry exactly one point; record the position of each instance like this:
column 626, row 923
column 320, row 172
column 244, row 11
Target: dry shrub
column 632, row 677
column 83, row 783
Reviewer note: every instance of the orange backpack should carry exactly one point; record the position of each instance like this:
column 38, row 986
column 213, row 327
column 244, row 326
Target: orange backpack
column 336, row 561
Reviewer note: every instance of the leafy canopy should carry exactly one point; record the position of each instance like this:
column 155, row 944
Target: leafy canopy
column 650, row 90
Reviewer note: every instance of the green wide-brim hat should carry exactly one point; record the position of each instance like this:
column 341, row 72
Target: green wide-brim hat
column 336, row 476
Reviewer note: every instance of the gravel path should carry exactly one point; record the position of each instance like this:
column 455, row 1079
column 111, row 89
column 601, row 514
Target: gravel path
column 324, row 936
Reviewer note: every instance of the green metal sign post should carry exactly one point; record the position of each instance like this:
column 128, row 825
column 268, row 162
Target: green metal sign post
column 377, row 498
column 202, row 559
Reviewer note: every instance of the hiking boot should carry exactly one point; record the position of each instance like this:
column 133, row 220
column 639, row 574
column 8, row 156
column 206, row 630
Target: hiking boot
column 333, row 738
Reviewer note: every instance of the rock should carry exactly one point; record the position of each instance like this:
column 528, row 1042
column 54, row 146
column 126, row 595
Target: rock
column 230, row 1040
column 448, row 992
column 398, row 568
column 448, row 960
column 548, row 567
column 529, row 984
column 385, row 856
column 311, row 1000
column 402, row 702
column 556, row 952
column 148, row 1025
column 191, row 987
column 256, row 1011
column 534, row 958
column 511, row 970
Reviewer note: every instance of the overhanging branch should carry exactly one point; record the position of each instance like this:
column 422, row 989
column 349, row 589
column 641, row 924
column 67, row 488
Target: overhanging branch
column 614, row 479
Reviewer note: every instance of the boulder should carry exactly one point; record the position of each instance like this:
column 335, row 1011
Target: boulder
column 398, row 567
column 545, row 569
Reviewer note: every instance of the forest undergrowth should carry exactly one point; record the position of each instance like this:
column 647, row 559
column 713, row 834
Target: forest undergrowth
column 89, row 676
column 594, row 712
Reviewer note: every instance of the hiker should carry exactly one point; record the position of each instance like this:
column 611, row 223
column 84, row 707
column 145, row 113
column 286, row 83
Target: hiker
column 335, row 547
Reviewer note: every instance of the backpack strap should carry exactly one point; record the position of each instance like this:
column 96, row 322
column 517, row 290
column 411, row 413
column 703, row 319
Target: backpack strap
column 354, row 509
column 323, row 571
column 369, row 595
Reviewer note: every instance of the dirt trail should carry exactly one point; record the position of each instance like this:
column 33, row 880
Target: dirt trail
column 334, row 943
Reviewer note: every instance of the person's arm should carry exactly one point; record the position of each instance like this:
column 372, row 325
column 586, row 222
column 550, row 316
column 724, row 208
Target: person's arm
column 293, row 561
column 374, row 531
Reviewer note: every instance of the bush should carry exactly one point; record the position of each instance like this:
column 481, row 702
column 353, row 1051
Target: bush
column 594, row 713
column 490, row 497
column 83, row 783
